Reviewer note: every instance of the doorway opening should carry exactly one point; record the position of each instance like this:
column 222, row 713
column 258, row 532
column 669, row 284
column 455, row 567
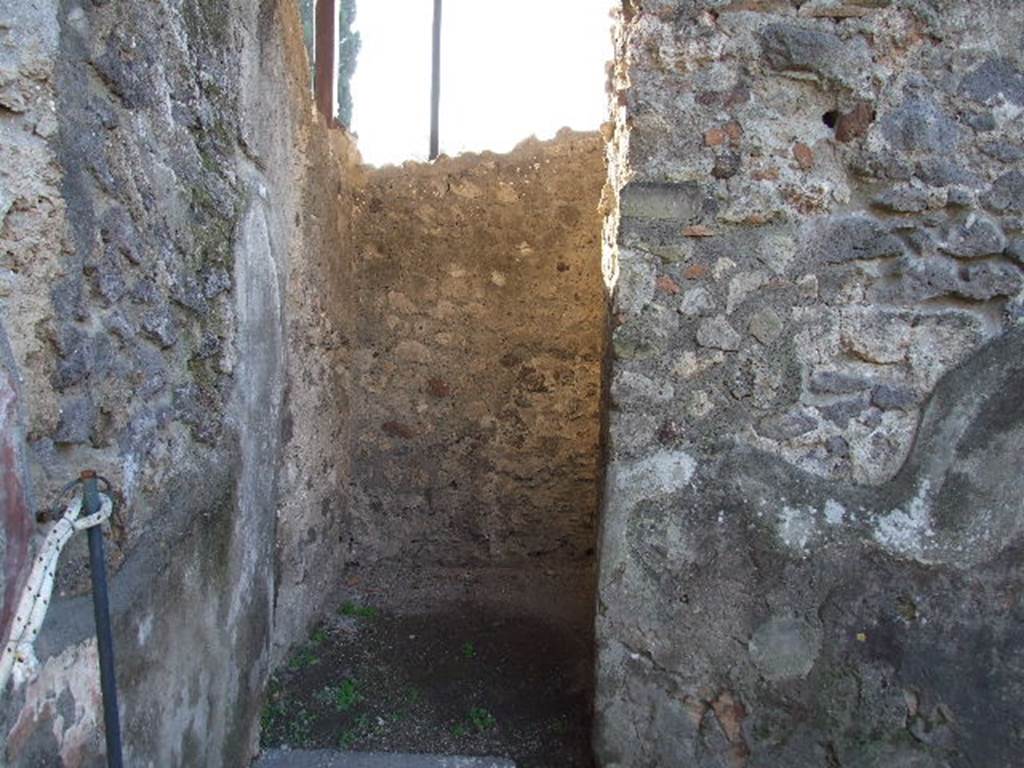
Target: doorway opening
column 463, row 620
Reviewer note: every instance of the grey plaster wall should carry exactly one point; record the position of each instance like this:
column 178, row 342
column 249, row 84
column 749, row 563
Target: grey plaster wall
column 168, row 198
column 811, row 537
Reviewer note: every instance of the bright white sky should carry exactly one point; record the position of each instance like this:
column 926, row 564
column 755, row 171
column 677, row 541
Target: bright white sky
column 509, row 69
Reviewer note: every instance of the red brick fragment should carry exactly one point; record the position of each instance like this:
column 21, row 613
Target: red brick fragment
column 667, row 285
column 698, row 230
column 695, row 272
column 714, row 137
column 804, row 156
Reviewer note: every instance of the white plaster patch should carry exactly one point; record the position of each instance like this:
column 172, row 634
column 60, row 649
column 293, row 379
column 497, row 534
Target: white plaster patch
column 1006, row 113
column 130, row 474
column 796, row 527
column 75, row 670
column 657, row 475
column 835, row 512
column 145, row 629
column 722, row 267
column 907, row 531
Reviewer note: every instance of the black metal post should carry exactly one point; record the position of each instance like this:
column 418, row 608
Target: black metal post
column 101, row 612
column 435, row 85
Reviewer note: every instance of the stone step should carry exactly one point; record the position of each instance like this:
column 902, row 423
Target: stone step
column 326, row 758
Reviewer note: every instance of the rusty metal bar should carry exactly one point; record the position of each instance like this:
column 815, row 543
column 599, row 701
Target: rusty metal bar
column 325, row 79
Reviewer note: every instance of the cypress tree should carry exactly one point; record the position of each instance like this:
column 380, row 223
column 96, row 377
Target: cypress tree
column 306, row 12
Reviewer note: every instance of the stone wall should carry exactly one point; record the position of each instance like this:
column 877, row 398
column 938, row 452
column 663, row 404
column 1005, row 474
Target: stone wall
column 480, row 343
column 812, row 524
column 175, row 283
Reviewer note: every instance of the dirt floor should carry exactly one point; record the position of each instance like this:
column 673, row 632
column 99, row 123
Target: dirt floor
column 460, row 663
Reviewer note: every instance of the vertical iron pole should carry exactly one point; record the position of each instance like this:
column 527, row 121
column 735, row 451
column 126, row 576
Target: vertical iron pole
column 435, row 85
column 101, row 612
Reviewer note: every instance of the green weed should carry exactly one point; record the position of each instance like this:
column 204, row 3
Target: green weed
column 302, row 658
column 299, row 728
column 355, row 610
column 274, row 712
column 411, row 696
column 342, row 697
column 359, row 729
column 481, row 719
column 348, row 738
column 318, row 637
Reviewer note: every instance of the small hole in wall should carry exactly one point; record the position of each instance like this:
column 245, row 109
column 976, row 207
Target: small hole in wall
column 830, row 118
